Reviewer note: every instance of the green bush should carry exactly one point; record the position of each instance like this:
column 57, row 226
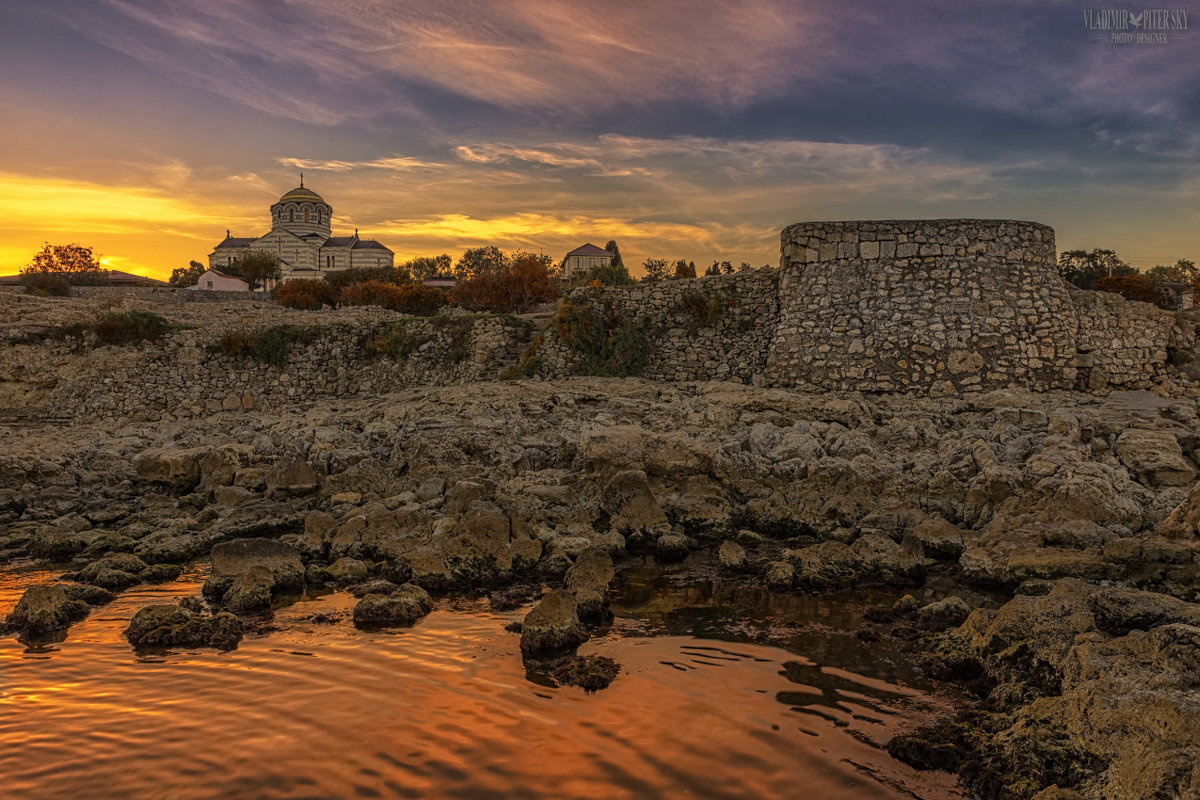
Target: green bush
column 271, row 345
column 608, row 346
column 397, row 342
column 403, row 338
column 46, row 284
column 129, row 327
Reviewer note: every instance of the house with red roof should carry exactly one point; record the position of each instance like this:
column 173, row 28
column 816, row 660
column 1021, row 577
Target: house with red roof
column 581, row 259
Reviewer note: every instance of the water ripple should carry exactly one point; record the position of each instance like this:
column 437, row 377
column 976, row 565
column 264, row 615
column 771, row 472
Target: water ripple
column 439, row 710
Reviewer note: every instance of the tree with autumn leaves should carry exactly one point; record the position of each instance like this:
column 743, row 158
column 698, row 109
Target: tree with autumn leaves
column 74, row 262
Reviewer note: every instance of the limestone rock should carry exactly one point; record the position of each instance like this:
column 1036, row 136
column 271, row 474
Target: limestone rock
column 827, row 565
column 590, row 673
column 1119, row 610
column 672, row 547
column 347, row 570
column 43, row 610
column 233, row 558
column 1184, row 521
column 56, row 544
column 780, row 575
column 176, row 626
column 631, row 504
column 731, row 555
column 178, row 469
column 251, row 591
column 404, row 606
column 939, row 615
column 117, row 571
column 1154, row 457
column 588, row 580
column 553, row 624
column 291, row 477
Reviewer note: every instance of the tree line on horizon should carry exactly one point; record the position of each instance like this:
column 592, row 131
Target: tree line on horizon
column 55, row 268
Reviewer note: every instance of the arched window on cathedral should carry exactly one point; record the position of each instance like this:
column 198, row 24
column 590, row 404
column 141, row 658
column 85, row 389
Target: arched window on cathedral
column 320, row 212
column 306, row 215
column 291, row 215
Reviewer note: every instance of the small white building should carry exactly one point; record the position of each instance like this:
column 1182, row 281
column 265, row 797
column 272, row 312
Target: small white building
column 213, row 281
column 581, row 259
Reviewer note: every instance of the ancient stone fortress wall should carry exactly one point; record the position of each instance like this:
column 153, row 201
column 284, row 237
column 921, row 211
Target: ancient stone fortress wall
column 715, row 327
column 946, row 306
column 1119, row 343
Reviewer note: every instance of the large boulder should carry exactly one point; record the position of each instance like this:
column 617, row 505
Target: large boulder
column 43, row 610
column 176, row 468
column 219, row 467
column 56, row 544
column 553, row 624
column 347, row 570
column 827, row 565
column 891, row 562
column 631, row 505
column 939, row 539
column 291, row 477
column 731, row 555
column 632, row 447
column 1119, row 610
column 941, row 614
column 175, row 626
column 117, row 571
column 1154, row 457
column 1184, row 521
column 251, row 591
column 233, row 558
column 404, row 606
column 588, row 580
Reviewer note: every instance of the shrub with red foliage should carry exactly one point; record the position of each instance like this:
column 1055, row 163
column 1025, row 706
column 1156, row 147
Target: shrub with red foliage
column 408, row 298
column 306, row 295
column 518, row 287
column 1131, row 287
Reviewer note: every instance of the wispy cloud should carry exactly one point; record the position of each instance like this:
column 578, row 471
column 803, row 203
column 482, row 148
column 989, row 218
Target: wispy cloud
column 332, row 61
column 394, row 163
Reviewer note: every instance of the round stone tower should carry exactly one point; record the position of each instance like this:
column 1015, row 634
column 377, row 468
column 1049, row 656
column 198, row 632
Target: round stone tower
column 302, row 211
column 943, row 306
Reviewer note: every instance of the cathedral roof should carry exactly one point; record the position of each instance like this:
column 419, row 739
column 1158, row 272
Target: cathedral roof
column 302, row 194
column 237, row 241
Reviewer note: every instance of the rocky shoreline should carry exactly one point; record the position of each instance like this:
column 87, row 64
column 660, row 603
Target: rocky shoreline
column 1060, row 528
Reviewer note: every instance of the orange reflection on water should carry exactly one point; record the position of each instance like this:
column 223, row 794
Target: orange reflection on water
column 440, row 710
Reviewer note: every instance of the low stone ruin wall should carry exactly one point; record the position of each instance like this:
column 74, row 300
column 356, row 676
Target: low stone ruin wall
column 189, row 373
column 716, row 327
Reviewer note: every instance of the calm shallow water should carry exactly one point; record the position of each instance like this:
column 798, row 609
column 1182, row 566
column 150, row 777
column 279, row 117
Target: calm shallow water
column 446, row 709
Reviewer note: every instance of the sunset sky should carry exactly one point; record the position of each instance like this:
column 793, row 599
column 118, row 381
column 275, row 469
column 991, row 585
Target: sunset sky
column 681, row 128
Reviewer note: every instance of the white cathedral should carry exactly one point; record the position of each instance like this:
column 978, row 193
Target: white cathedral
column 300, row 239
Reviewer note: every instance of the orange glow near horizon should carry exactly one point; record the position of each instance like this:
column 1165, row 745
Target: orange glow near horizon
column 145, row 231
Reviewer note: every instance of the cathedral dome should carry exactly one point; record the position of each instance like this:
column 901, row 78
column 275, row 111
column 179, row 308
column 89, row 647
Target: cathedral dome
column 302, row 194
column 302, row 212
